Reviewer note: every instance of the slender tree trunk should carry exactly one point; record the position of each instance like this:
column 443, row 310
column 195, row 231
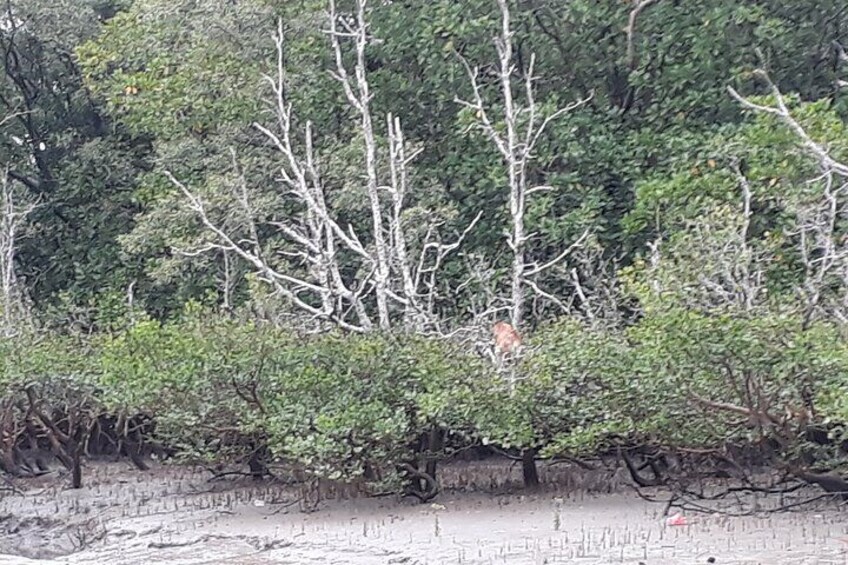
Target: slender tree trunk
column 382, row 274
column 76, row 470
column 435, row 444
column 12, row 216
column 364, row 107
column 521, row 129
column 514, row 165
column 518, row 267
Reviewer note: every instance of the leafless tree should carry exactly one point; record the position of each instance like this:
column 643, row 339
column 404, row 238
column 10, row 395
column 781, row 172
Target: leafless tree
column 358, row 93
column 516, row 135
column 731, row 269
column 820, row 217
column 398, row 275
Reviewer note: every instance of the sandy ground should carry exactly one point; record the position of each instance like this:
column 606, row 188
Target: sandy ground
column 177, row 516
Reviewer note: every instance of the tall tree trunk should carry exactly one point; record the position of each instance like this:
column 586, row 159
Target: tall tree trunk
column 515, row 171
column 360, row 100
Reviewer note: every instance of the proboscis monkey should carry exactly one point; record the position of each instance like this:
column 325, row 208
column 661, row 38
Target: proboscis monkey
column 507, row 339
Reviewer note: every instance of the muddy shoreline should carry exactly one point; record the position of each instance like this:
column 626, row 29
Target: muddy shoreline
column 176, row 515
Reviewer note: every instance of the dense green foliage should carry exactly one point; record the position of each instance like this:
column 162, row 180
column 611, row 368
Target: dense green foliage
column 152, row 86
column 706, row 307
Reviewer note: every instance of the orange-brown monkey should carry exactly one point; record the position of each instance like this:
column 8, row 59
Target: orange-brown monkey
column 507, row 339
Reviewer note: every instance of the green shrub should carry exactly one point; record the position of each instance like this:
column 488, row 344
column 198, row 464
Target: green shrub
column 568, row 394
column 707, row 380
column 336, row 405
column 344, row 405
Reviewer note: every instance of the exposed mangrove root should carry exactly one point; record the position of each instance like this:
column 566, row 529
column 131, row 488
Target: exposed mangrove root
column 635, row 472
column 424, row 486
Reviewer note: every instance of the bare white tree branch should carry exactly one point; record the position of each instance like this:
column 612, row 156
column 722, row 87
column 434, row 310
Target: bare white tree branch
column 359, row 96
column 823, row 251
column 638, row 6
column 387, row 280
column 516, row 141
column 14, row 210
column 783, row 113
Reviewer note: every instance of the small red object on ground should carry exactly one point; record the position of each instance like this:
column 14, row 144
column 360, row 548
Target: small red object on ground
column 676, row 520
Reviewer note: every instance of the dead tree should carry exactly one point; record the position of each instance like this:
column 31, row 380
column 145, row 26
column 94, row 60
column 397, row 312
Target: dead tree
column 823, row 246
column 358, row 93
column 733, row 273
column 516, row 135
column 397, row 274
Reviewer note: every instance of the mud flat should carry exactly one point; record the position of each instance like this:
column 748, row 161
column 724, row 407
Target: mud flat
column 175, row 515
